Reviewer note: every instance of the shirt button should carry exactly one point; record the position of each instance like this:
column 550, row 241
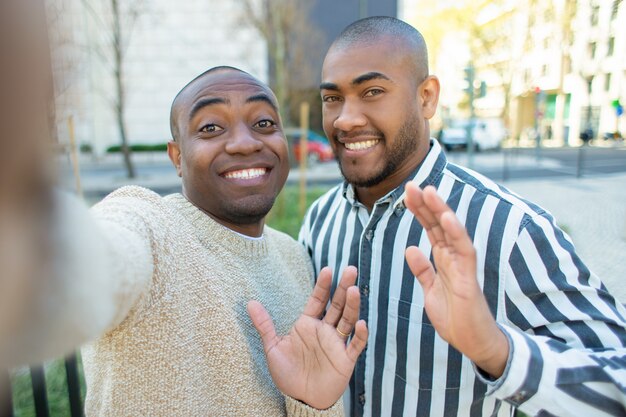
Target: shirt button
column 362, row 399
column 369, row 234
column 365, row 290
column 519, row 398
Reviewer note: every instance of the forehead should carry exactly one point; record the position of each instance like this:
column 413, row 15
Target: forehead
column 387, row 56
column 228, row 85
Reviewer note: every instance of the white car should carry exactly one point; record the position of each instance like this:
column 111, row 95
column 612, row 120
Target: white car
column 486, row 134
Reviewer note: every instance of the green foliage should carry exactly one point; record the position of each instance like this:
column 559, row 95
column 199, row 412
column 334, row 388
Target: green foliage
column 285, row 215
column 86, row 148
column 56, row 389
column 158, row 147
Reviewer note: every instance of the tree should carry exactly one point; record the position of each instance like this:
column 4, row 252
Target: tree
column 290, row 37
column 115, row 24
column 487, row 25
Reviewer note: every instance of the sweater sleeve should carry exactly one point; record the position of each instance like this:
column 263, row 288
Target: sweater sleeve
column 98, row 270
column 566, row 332
column 297, row 408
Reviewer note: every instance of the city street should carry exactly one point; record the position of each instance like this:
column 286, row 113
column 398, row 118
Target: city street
column 591, row 209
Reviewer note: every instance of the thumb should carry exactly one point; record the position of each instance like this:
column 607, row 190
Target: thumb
column 263, row 324
column 420, row 266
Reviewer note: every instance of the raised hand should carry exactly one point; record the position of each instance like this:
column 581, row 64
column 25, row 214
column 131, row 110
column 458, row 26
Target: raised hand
column 313, row 363
column 453, row 299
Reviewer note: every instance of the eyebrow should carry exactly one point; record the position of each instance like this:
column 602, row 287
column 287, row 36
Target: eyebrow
column 369, row 76
column 205, row 102
column 357, row 81
column 263, row 98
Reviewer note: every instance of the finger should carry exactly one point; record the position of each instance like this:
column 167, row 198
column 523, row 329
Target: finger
column 358, row 342
column 321, row 292
column 415, row 201
column 420, row 266
column 350, row 312
column 263, row 324
column 456, row 235
column 336, row 309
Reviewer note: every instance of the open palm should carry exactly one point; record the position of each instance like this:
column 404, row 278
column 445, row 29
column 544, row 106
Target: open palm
column 313, row 363
column 453, row 298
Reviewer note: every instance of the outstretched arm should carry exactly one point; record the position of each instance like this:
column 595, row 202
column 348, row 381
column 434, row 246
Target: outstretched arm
column 453, row 299
column 313, row 363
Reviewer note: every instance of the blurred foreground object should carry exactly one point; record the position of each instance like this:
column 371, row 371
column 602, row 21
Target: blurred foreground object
column 26, row 117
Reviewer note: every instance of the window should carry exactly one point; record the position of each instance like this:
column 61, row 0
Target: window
column 592, row 50
column 607, row 82
column 611, row 46
column 615, row 9
column 595, row 11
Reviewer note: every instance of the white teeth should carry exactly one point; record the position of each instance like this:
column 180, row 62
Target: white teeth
column 246, row 174
column 359, row 146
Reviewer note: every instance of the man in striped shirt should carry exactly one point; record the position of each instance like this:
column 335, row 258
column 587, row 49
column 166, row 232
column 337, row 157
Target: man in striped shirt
column 519, row 322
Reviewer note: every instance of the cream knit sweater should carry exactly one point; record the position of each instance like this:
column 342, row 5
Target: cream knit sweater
column 180, row 342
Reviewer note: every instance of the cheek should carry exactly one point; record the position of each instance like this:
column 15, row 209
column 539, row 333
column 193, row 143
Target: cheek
column 329, row 114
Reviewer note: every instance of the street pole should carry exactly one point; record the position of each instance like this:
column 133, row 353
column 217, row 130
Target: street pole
column 362, row 9
column 538, row 116
column 469, row 76
column 586, row 135
column 304, row 154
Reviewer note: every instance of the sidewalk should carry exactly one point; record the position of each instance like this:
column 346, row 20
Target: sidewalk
column 592, row 210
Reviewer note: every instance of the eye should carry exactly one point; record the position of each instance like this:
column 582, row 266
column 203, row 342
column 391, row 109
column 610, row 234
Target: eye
column 210, row 128
column 373, row 92
column 265, row 124
column 330, row 99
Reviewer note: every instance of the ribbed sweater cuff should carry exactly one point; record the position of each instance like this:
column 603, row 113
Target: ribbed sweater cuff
column 297, row 408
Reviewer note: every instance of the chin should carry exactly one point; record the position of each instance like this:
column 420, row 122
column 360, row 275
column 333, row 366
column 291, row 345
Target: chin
column 357, row 179
column 251, row 210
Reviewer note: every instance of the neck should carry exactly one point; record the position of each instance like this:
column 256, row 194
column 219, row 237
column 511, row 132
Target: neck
column 252, row 229
column 369, row 195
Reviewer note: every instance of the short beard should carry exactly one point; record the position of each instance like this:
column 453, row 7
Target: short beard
column 405, row 144
column 251, row 212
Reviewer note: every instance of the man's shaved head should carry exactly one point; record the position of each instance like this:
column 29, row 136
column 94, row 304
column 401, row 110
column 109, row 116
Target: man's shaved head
column 373, row 29
column 174, row 111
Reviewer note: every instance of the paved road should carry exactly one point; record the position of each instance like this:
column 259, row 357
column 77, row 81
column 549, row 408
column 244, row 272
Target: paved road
column 592, row 209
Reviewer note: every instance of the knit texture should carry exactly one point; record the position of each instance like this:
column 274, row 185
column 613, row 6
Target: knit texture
column 185, row 345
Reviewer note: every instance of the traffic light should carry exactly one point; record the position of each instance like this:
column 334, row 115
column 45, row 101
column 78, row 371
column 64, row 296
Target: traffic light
column 482, row 90
column 475, row 88
column 469, row 78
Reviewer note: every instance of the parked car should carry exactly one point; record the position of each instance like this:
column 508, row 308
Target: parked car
column 486, row 134
column 318, row 148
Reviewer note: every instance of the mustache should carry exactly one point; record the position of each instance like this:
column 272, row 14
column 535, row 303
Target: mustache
column 358, row 134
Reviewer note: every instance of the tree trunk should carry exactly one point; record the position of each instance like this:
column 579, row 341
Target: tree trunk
column 119, row 89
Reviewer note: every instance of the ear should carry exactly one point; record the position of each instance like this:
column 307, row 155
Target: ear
column 428, row 92
column 173, row 151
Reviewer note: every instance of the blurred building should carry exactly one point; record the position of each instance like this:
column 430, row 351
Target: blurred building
column 598, row 66
column 165, row 44
column 550, row 69
column 332, row 16
column 572, row 74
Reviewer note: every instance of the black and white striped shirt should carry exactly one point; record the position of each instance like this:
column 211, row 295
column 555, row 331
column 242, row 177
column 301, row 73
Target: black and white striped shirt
column 566, row 332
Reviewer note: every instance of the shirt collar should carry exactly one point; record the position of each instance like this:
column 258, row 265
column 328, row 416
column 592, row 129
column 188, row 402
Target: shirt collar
column 427, row 172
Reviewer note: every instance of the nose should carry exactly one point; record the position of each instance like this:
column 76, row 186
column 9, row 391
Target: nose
column 350, row 117
column 243, row 141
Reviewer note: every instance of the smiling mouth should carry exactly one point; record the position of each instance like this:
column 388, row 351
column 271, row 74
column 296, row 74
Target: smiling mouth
column 361, row 146
column 246, row 174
